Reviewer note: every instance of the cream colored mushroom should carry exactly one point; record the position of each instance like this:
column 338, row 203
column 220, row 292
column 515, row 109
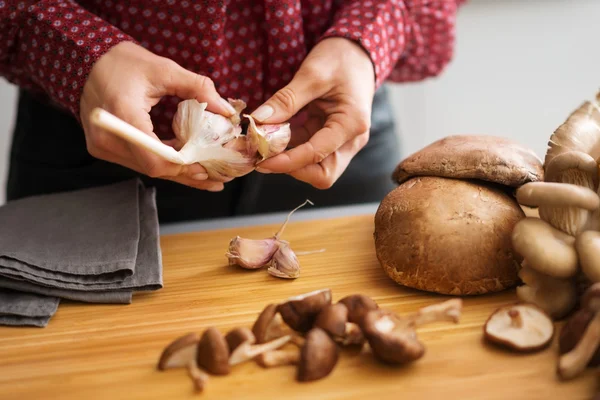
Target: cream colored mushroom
column 574, row 167
column 546, row 249
column 556, row 297
column 588, row 249
column 580, row 131
column 565, row 206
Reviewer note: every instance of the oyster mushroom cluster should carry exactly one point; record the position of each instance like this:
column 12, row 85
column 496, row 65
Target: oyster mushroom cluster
column 212, row 140
column 307, row 331
column 447, row 227
column 273, row 252
column 561, row 248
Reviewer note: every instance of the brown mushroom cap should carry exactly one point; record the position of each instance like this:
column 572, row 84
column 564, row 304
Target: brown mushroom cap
column 332, row 319
column 180, row 352
column 572, row 332
column 554, row 194
column 521, row 327
column 545, row 248
column 448, row 236
column 318, row 356
column 488, row 158
column 580, row 131
column 268, row 325
column 239, row 336
column 392, row 340
column 213, row 352
column 588, row 250
column 574, row 167
column 299, row 312
column 358, row 306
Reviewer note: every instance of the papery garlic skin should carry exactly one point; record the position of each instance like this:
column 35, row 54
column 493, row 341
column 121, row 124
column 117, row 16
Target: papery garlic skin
column 284, row 263
column 250, row 253
column 239, row 106
column 268, row 140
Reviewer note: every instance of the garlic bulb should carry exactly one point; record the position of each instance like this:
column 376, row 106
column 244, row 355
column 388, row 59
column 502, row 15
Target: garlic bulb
column 269, row 140
column 216, row 142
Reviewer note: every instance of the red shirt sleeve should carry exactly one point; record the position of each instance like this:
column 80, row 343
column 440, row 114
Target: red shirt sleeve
column 407, row 40
column 50, row 47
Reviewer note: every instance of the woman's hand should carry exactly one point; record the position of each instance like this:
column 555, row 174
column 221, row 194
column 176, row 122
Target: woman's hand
column 128, row 81
column 331, row 96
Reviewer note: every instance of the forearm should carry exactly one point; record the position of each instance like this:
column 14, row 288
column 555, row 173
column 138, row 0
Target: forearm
column 51, row 46
column 407, row 40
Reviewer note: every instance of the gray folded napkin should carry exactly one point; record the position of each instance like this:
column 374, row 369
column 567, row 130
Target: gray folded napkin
column 95, row 245
column 25, row 309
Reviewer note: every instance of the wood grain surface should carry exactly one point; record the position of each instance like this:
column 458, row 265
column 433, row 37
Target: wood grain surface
column 110, row 351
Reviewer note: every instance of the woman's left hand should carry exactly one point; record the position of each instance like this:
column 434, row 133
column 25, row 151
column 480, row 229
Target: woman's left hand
column 333, row 90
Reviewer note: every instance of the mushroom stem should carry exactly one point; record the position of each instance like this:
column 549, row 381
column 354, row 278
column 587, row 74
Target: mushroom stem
column 352, row 335
column 277, row 358
column 516, row 319
column 247, row 351
column 447, row 311
column 574, row 362
column 199, row 377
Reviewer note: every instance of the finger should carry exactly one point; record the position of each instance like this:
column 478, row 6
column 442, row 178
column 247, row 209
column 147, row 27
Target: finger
column 302, row 134
column 175, row 80
column 326, row 173
column 327, row 140
column 305, row 87
column 208, row 185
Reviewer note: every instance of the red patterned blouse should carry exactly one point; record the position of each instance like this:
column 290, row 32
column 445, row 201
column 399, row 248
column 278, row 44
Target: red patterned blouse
column 249, row 48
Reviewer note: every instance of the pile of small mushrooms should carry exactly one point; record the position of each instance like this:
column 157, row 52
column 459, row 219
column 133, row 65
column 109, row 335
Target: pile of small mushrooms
column 307, row 331
column 560, row 270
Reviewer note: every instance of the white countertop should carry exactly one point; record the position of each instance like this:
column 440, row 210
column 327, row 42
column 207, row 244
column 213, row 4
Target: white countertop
column 272, row 218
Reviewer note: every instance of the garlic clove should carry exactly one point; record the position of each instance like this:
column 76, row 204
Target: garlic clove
column 220, row 162
column 269, row 139
column 284, row 263
column 197, row 127
column 250, row 253
column 239, row 106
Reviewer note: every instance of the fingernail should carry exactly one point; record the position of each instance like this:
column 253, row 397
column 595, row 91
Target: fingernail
column 202, row 176
column 263, row 171
column 228, row 106
column 263, row 112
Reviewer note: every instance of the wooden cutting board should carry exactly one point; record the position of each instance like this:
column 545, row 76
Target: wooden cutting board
column 110, row 351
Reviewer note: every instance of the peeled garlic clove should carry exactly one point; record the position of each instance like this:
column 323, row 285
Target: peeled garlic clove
column 268, row 140
column 250, row 253
column 284, row 263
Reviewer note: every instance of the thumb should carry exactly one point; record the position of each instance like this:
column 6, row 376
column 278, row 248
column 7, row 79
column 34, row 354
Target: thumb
column 186, row 84
column 290, row 99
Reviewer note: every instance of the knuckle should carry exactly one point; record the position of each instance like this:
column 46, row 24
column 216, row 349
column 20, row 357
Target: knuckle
column 318, row 156
column 286, row 98
column 317, row 76
column 324, row 182
column 204, row 82
column 362, row 123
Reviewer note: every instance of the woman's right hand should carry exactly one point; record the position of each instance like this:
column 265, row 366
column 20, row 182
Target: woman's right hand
column 128, row 81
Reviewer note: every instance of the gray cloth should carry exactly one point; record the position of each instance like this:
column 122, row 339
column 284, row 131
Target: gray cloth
column 102, row 276
column 74, row 232
column 26, row 309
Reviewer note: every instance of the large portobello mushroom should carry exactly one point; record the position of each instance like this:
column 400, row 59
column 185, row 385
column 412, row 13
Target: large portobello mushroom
column 447, row 227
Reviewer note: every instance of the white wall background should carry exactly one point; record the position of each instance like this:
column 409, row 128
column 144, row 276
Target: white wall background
column 520, row 68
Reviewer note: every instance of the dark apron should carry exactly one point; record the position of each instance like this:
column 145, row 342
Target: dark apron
column 49, row 155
